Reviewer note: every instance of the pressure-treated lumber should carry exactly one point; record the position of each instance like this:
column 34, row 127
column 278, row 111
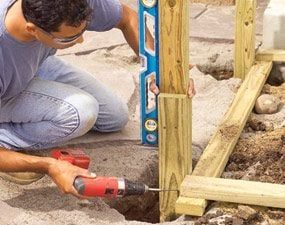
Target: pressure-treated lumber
column 174, row 148
column 174, row 46
column 236, row 191
column 244, row 37
column 197, row 206
column 174, row 110
column 222, row 143
column 271, row 55
column 215, row 2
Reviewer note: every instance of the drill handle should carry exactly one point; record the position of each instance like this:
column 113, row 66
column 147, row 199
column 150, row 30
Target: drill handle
column 109, row 187
column 98, row 187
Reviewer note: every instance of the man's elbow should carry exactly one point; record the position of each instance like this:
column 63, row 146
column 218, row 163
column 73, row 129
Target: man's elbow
column 129, row 18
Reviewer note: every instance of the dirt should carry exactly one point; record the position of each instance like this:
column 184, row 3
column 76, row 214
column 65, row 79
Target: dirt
column 265, row 152
column 134, row 162
column 228, row 131
column 276, row 91
column 258, row 156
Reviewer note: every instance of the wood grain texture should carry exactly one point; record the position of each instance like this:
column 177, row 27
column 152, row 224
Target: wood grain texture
column 236, row 191
column 222, row 143
column 174, row 107
column 244, row 37
column 174, row 46
column 274, row 55
column 197, row 206
column 214, row 2
column 175, row 158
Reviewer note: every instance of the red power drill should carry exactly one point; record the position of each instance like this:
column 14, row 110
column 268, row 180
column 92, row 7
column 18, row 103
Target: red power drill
column 110, row 187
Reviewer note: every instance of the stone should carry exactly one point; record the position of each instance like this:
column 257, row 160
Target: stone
column 267, row 104
column 246, row 212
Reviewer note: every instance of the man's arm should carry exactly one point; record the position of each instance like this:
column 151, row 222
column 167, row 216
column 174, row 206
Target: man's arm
column 61, row 172
column 130, row 28
column 17, row 162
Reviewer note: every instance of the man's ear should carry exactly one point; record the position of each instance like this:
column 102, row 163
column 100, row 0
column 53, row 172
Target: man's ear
column 31, row 29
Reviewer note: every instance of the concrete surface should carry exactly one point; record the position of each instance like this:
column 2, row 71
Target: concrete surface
column 107, row 56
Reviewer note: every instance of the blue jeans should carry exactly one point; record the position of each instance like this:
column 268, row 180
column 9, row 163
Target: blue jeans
column 61, row 103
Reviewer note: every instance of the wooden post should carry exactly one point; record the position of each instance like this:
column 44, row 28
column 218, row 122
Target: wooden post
column 175, row 159
column 175, row 149
column 244, row 37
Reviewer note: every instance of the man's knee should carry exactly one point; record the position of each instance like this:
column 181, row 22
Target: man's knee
column 88, row 111
column 81, row 117
column 122, row 117
column 116, row 119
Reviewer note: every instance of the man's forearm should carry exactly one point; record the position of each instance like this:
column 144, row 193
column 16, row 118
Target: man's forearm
column 130, row 27
column 17, row 162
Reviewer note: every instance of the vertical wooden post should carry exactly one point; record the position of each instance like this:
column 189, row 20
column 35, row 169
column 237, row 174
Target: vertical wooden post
column 244, row 37
column 175, row 158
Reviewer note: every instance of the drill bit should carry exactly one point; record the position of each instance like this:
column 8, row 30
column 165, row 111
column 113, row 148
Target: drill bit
column 160, row 190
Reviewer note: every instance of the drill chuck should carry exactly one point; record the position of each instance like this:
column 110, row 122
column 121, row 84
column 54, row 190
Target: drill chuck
column 134, row 188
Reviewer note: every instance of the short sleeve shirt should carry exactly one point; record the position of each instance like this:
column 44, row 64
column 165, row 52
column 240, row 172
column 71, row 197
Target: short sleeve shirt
column 20, row 61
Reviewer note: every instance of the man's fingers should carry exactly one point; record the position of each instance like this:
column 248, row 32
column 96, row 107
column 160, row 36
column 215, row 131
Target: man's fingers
column 190, row 66
column 153, row 88
column 91, row 175
column 86, row 174
column 191, row 88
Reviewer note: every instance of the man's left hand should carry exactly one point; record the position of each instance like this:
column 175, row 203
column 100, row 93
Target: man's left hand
column 191, row 92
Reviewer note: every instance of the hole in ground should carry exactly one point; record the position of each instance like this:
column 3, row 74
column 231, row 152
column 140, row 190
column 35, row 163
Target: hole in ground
column 144, row 208
column 137, row 163
column 218, row 72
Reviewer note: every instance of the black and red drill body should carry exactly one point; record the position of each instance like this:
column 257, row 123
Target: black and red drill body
column 110, row 187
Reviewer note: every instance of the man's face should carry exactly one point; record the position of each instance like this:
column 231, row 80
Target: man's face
column 66, row 37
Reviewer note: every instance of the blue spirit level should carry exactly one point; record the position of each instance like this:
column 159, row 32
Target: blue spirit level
column 149, row 55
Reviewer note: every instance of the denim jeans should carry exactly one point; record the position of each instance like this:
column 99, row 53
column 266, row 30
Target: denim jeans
column 61, row 103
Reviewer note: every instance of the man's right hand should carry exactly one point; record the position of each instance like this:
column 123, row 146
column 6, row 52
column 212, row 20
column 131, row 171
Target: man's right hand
column 63, row 174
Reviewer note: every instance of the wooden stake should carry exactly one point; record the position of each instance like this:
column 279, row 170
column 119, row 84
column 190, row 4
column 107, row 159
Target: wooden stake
column 174, row 46
column 175, row 160
column 174, row 149
column 244, row 37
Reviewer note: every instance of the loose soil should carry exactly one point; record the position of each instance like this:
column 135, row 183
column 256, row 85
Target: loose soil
column 258, row 156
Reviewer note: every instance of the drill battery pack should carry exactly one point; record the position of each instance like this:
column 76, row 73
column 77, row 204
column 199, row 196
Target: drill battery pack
column 75, row 156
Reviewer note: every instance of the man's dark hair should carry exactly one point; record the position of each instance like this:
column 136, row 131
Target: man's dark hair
column 50, row 14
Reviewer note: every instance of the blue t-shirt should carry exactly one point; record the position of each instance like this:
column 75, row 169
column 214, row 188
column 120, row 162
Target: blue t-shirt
column 19, row 61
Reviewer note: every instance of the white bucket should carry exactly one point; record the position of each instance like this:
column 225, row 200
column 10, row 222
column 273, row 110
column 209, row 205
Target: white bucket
column 274, row 25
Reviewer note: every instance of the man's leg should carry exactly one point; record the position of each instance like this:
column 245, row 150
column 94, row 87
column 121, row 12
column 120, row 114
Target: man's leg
column 113, row 113
column 46, row 114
